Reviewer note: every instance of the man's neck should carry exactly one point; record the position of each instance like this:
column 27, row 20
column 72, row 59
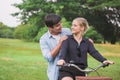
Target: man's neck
column 53, row 33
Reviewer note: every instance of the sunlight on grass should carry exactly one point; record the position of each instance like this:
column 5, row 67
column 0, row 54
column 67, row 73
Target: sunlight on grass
column 108, row 49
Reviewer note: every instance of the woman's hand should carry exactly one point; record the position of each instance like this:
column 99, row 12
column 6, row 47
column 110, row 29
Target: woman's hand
column 60, row 62
column 108, row 62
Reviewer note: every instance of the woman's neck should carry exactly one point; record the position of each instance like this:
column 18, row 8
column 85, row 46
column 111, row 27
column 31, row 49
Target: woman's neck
column 78, row 37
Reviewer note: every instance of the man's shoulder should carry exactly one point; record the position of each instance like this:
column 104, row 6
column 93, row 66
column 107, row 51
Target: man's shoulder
column 66, row 31
column 45, row 35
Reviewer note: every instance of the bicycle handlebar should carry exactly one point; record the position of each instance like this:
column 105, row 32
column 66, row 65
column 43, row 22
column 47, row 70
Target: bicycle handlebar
column 86, row 71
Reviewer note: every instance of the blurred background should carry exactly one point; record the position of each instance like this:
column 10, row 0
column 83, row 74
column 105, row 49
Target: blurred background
column 22, row 25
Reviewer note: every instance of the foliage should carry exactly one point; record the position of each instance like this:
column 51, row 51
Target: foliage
column 27, row 32
column 5, row 31
column 94, row 35
column 98, row 13
column 18, row 32
column 113, row 15
column 107, row 23
column 66, row 23
column 40, row 33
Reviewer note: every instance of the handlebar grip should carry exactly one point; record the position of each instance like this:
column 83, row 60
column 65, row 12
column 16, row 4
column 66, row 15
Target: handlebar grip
column 105, row 65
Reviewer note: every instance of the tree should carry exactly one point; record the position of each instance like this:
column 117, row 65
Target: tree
column 26, row 32
column 33, row 12
column 113, row 16
column 95, row 11
column 104, row 15
column 109, row 12
column 98, row 13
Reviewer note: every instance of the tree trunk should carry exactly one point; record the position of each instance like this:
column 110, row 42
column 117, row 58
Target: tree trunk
column 104, row 41
column 113, row 40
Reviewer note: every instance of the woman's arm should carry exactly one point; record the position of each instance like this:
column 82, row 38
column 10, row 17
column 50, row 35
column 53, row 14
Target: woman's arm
column 97, row 55
column 63, row 52
column 94, row 53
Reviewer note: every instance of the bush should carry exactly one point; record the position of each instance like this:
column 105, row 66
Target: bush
column 94, row 35
column 27, row 32
column 5, row 31
column 40, row 33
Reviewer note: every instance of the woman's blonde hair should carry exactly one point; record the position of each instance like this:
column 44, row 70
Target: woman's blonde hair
column 82, row 22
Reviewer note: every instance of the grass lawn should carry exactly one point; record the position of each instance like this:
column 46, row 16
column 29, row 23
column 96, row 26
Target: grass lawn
column 21, row 60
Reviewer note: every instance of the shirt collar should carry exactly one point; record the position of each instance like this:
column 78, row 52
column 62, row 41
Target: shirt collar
column 83, row 39
column 50, row 35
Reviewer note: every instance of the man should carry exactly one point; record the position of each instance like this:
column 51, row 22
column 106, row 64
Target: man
column 51, row 41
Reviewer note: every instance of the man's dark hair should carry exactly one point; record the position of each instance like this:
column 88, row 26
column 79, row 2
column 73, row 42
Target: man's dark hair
column 52, row 19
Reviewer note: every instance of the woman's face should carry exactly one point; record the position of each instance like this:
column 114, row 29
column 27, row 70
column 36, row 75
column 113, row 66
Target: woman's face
column 76, row 27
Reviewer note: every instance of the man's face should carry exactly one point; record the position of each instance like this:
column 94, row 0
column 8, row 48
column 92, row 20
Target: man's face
column 56, row 28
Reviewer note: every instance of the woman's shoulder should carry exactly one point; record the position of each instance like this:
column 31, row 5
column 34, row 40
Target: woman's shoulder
column 68, row 39
column 70, row 36
column 88, row 40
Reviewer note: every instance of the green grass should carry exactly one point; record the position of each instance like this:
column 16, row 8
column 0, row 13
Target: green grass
column 21, row 60
column 111, row 52
column 112, row 71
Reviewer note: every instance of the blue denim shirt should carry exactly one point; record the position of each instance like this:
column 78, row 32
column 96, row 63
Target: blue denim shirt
column 47, row 43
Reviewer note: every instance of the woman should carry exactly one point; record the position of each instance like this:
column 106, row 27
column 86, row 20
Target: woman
column 75, row 49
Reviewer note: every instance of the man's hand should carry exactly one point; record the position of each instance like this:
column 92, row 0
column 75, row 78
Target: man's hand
column 60, row 62
column 63, row 38
column 91, row 40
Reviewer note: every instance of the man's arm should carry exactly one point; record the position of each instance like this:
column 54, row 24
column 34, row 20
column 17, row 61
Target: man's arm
column 45, row 49
column 57, row 48
column 47, row 52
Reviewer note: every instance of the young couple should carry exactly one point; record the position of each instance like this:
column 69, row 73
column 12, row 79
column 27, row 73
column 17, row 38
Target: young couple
column 60, row 45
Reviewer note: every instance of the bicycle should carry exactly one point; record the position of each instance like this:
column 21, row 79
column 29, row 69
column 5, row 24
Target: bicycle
column 86, row 71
